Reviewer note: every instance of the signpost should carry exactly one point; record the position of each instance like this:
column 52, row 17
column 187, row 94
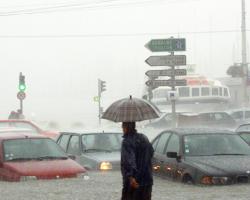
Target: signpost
column 169, row 45
column 21, row 94
column 169, row 60
column 166, row 72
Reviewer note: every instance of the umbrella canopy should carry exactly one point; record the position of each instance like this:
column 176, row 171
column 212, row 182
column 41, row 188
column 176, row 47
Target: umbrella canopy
column 130, row 110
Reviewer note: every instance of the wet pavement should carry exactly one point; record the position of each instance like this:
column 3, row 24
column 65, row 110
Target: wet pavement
column 107, row 186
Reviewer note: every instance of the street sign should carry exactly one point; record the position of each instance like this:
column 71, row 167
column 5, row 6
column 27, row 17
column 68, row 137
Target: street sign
column 166, row 72
column 169, row 83
column 169, row 60
column 21, row 95
column 171, row 45
column 96, row 99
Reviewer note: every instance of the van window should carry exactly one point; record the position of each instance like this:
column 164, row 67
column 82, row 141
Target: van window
column 205, row 91
column 215, row 91
column 226, row 92
column 184, row 92
column 195, row 92
column 220, row 91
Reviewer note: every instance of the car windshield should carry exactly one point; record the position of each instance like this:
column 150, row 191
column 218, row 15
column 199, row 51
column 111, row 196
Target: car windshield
column 101, row 142
column 22, row 125
column 215, row 144
column 25, row 149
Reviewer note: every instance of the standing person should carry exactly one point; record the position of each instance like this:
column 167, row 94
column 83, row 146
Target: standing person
column 136, row 164
column 13, row 115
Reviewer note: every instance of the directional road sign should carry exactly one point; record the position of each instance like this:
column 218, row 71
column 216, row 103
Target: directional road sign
column 21, row 95
column 169, row 60
column 166, row 72
column 170, row 83
column 171, row 45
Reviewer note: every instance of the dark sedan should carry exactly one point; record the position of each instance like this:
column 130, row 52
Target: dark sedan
column 93, row 150
column 202, row 156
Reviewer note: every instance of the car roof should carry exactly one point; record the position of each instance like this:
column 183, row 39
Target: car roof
column 195, row 131
column 7, row 129
column 242, row 126
column 89, row 132
column 213, row 112
column 15, row 120
column 13, row 135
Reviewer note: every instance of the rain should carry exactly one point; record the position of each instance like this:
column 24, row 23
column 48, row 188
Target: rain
column 73, row 69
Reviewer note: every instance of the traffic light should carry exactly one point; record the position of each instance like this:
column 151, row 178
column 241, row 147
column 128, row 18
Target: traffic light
column 22, row 85
column 102, row 85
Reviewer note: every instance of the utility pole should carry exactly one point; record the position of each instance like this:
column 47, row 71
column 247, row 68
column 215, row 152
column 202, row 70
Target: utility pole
column 244, row 52
column 173, row 101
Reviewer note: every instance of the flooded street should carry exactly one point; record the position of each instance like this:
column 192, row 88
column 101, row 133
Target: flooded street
column 107, row 186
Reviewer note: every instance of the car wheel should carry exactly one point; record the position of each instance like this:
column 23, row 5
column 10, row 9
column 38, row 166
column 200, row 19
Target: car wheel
column 187, row 179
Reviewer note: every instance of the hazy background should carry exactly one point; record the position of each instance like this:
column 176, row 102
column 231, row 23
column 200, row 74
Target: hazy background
column 63, row 53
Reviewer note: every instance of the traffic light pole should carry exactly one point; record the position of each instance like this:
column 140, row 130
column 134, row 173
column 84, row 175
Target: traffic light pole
column 101, row 89
column 21, row 106
column 21, row 94
column 99, row 101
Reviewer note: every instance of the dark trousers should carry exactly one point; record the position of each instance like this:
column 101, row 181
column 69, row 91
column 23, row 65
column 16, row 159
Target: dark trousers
column 141, row 193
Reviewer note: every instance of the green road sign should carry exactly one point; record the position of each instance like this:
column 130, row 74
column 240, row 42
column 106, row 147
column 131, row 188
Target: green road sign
column 96, row 99
column 170, row 45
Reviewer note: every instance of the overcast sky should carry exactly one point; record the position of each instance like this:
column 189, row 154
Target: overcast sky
column 62, row 72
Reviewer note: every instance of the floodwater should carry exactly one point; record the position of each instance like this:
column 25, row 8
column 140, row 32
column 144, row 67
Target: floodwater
column 107, row 186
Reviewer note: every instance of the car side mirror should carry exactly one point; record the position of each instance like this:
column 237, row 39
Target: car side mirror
column 72, row 157
column 172, row 155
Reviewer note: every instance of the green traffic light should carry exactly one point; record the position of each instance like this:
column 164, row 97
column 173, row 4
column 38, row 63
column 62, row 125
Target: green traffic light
column 22, row 87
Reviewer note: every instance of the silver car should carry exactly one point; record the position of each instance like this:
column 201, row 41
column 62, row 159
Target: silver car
column 94, row 151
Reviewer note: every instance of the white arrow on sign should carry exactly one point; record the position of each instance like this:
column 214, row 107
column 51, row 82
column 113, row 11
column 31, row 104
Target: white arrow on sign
column 169, row 83
column 166, row 72
column 169, row 60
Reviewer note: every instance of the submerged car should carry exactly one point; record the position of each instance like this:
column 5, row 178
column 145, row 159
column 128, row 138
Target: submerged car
column 24, row 124
column 216, row 120
column 201, row 156
column 24, row 157
column 244, row 131
column 241, row 116
column 94, row 151
column 183, row 119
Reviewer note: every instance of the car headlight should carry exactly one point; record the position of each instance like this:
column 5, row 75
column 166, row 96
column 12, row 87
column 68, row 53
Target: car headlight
column 105, row 166
column 28, row 178
column 210, row 180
